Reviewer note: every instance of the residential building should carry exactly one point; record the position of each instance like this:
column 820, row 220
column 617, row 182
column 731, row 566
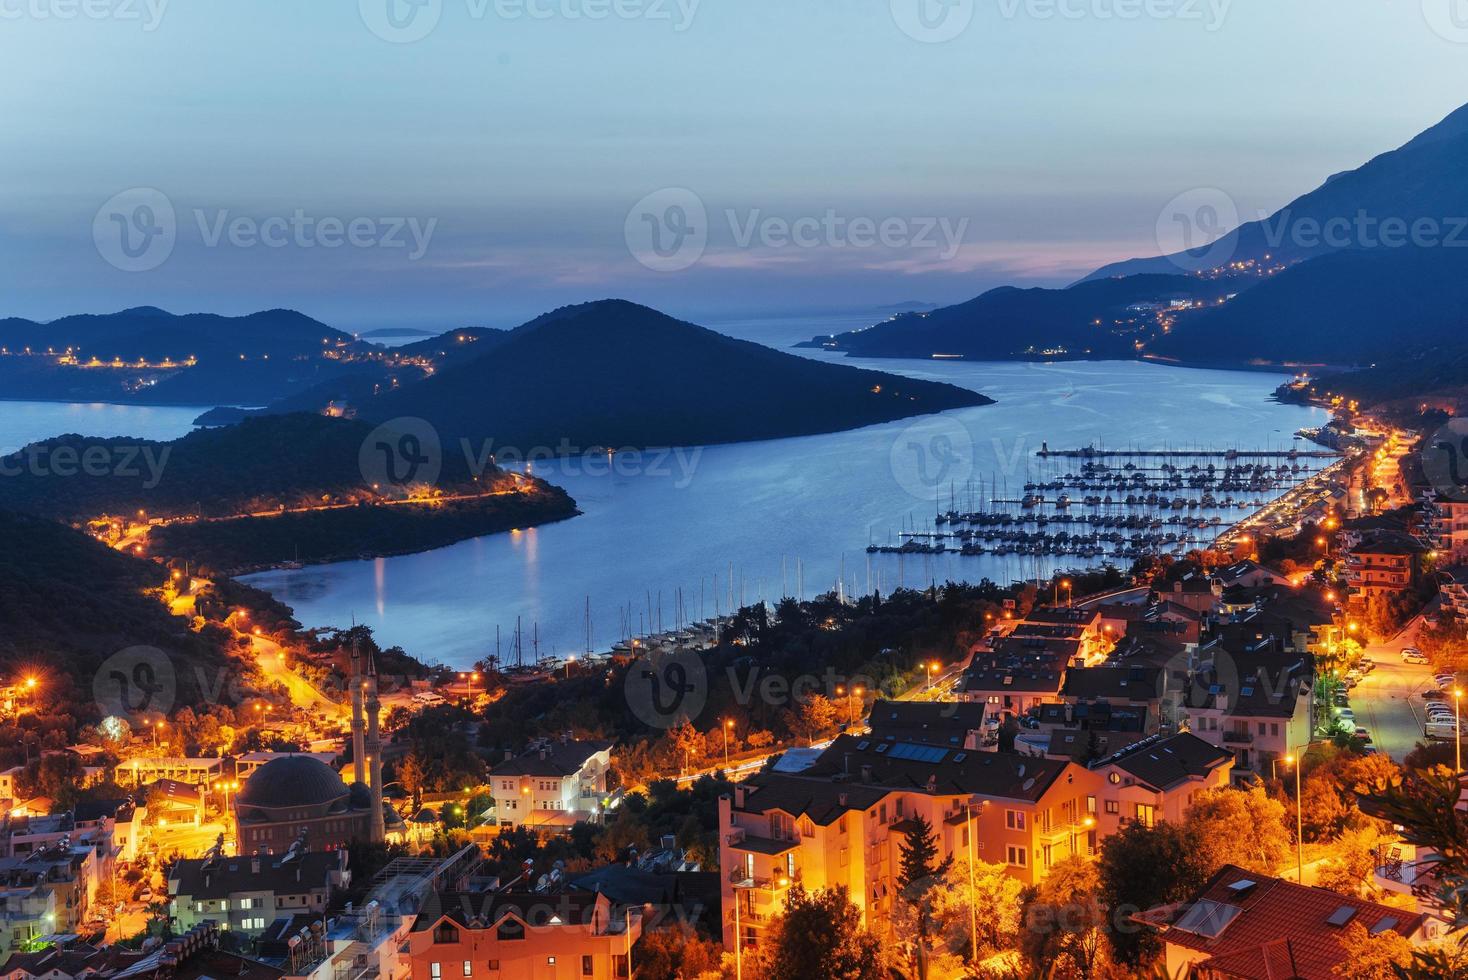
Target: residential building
column 1256, row 703
column 842, row 821
column 956, row 724
column 569, row 935
column 246, row 894
column 1245, row 925
column 1157, row 778
column 1116, row 685
column 1383, row 564
column 552, row 785
column 194, row 771
column 1447, row 528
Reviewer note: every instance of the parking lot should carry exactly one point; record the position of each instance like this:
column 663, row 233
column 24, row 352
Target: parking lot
column 1388, row 700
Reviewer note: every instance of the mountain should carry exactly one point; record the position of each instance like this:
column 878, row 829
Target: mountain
column 68, row 603
column 1425, row 179
column 615, row 374
column 1353, row 307
column 152, row 356
column 255, row 467
column 1095, row 319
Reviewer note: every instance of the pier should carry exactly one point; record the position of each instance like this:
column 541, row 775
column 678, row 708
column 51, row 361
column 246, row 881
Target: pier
column 1091, row 452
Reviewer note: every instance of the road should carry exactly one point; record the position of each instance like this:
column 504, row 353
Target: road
column 1388, row 700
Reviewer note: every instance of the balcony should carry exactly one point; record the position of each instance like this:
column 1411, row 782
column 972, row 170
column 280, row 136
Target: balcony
column 1238, row 738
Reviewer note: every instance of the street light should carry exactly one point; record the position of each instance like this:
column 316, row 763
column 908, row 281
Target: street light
column 1290, row 760
column 1069, row 587
column 728, row 724
column 931, row 666
column 973, row 909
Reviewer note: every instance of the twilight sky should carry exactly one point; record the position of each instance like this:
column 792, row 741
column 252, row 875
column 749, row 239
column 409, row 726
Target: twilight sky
column 704, row 156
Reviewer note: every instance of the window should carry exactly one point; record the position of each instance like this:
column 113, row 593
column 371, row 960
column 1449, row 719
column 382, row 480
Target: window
column 468, row 969
column 1016, row 856
column 1146, row 814
column 1113, row 807
column 435, row 970
column 1014, row 819
column 510, row 931
column 619, row 964
column 587, row 967
column 445, row 933
column 1090, row 804
column 550, row 961
column 494, row 964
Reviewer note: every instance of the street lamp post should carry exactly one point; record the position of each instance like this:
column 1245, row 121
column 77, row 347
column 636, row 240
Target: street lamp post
column 973, row 910
column 728, row 724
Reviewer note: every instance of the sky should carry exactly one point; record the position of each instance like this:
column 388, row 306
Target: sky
column 442, row 163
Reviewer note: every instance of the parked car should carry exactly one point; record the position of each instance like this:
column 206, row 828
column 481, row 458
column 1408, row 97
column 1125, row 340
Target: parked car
column 1346, row 716
column 1412, row 655
column 1363, row 734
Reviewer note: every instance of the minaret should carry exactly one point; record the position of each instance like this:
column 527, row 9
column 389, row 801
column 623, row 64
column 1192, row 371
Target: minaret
column 374, row 751
column 359, row 748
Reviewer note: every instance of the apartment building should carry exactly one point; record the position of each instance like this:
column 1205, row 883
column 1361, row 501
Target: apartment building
column 552, row 785
column 1157, row 778
column 247, row 894
column 513, row 935
column 843, row 820
column 1447, row 528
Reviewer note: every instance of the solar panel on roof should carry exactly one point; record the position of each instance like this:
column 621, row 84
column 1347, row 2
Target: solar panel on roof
column 862, row 745
column 882, row 748
column 960, row 757
column 1390, row 922
column 1341, row 916
column 1208, row 918
column 918, row 753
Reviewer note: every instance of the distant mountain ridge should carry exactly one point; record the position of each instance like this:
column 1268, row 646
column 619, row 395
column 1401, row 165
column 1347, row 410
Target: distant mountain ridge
column 615, row 374
column 1425, row 178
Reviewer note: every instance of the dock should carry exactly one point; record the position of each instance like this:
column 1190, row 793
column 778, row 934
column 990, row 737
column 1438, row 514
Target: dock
column 1091, row 452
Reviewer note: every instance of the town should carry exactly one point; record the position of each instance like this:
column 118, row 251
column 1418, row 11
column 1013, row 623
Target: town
column 1209, row 763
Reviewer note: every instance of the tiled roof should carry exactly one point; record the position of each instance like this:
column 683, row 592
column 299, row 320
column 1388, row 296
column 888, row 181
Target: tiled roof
column 1273, row 929
column 933, row 722
column 485, row 909
column 557, row 759
column 1129, row 682
column 212, row 878
column 1165, row 761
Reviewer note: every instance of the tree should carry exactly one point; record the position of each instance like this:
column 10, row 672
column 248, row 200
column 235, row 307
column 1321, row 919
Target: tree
column 920, row 871
column 1352, row 861
column 990, row 908
column 1371, row 957
column 820, row 937
column 818, row 715
column 1065, row 921
column 1241, row 827
column 1143, row 867
column 413, row 774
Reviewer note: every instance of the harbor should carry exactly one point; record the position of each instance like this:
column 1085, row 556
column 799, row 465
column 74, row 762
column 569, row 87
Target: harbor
column 1119, row 505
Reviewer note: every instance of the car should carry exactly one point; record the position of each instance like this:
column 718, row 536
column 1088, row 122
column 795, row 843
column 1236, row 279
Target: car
column 1363, row 734
column 1411, row 656
column 1347, row 716
column 1366, row 666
